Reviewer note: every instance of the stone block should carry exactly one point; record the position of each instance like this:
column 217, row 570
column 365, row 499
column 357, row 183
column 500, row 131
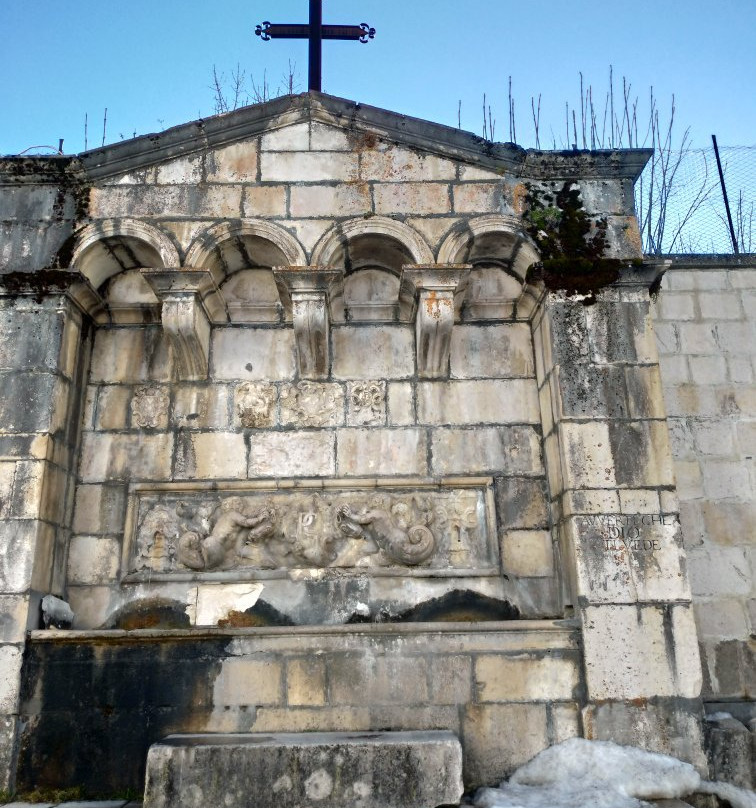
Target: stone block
column 312, row 404
column 99, row 509
column 32, row 338
column 624, row 559
column 726, row 479
column 621, row 332
column 200, row 407
column 708, row 369
column 112, row 408
column 367, row 679
column 373, row 352
column 326, row 200
column 735, row 338
column 217, row 200
column 15, row 618
column 478, row 197
column 587, row 455
column 721, row 619
column 730, row 749
column 93, row 560
column 451, row 679
column 689, row 479
column 498, row 450
column 565, row 722
column 120, row 355
column 498, row 351
column 250, row 682
column 411, row 197
column 527, row 553
column 509, row 401
column 390, row 163
column 292, row 454
column 720, row 306
column 492, row 749
column 400, row 404
column 295, row 137
column 252, row 353
column 109, row 456
column 180, row 171
column 590, row 391
column 341, row 770
column 234, row 163
column 309, row 719
column 674, row 369
column 328, row 138
column 640, row 651
column 11, row 659
column 211, row 455
column 645, row 396
column 372, row 452
column 308, row 167
column 520, row 502
column 676, row 306
column 740, row 369
column 264, row 201
column 714, row 437
column 639, row 501
column 306, row 682
column 525, row 677
column 366, row 403
column 18, row 540
column 26, row 402
column 641, row 453
column 719, row 571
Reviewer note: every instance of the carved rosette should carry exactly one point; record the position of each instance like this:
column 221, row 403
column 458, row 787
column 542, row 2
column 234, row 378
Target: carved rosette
column 367, row 403
column 255, row 404
column 149, row 407
column 313, row 404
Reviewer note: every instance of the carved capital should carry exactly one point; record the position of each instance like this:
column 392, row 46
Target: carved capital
column 433, row 288
column 191, row 302
column 312, row 296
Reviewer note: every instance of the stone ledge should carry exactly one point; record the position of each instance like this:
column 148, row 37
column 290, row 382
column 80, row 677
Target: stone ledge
column 369, row 769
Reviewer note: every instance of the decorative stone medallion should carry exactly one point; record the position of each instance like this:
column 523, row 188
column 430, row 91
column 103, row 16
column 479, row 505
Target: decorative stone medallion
column 149, row 407
column 254, row 404
column 367, row 403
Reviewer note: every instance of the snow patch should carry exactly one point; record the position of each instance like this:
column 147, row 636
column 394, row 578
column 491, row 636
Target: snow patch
column 593, row 774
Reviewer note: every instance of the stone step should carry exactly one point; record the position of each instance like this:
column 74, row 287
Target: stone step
column 304, row 770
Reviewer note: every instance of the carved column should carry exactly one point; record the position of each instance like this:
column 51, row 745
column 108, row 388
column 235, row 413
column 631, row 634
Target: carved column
column 433, row 288
column 615, row 510
column 312, row 296
column 191, row 302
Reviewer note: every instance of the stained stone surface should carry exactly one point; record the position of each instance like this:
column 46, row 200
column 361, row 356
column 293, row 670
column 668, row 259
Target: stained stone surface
column 334, row 769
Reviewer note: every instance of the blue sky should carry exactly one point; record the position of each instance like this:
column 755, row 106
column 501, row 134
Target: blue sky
column 150, row 63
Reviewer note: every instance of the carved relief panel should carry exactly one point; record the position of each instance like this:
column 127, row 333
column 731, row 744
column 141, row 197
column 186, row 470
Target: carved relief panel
column 426, row 527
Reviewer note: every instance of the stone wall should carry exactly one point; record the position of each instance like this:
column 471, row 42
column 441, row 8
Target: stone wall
column 507, row 691
column 705, row 321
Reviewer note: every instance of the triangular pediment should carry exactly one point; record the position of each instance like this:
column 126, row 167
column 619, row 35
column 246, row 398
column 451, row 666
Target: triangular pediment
column 319, row 122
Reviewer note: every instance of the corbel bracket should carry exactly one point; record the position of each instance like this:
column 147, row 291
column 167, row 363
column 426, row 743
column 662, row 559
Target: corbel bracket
column 433, row 288
column 313, row 297
column 191, row 303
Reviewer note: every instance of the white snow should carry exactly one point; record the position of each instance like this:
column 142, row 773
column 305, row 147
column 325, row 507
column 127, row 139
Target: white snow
column 593, row 774
column 737, row 797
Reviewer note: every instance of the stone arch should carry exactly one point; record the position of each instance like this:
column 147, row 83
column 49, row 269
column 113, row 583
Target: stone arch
column 500, row 253
column 211, row 248
column 331, row 245
column 106, row 248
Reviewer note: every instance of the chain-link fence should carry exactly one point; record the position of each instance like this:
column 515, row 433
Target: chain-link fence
column 681, row 206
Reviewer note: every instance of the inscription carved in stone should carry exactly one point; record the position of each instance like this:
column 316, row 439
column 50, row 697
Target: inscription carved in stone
column 207, row 531
column 367, row 402
column 254, row 404
column 635, row 533
column 149, row 407
column 312, row 404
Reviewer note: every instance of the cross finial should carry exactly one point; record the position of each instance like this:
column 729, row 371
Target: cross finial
column 315, row 32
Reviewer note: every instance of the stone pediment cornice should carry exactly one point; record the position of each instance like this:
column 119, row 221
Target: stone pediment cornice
column 251, row 121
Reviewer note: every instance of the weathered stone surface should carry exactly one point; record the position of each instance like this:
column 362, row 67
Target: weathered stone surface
column 381, row 451
column 373, row 352
column 511, row 450
column 374, row 770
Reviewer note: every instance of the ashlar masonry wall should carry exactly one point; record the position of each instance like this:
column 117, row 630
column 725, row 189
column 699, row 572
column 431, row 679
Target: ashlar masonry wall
column 705, row 323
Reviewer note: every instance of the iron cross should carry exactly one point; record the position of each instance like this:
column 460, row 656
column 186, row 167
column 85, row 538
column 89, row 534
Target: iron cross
column 316, row 32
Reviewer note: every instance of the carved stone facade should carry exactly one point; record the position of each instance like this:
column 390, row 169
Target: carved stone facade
column 297, row 369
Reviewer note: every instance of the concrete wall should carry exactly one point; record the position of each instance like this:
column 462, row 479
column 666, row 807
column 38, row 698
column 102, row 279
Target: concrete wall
column 705, row 320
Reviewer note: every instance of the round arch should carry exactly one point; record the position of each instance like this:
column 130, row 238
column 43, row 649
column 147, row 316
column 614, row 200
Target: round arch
column 105, row 248
column 209, row 244
column 334, row 239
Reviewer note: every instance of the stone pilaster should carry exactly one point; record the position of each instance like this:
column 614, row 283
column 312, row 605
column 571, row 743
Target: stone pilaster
column 434, row 287
column 616, row 515
column 43, row 359
column 191, row 302
column 312, row 296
